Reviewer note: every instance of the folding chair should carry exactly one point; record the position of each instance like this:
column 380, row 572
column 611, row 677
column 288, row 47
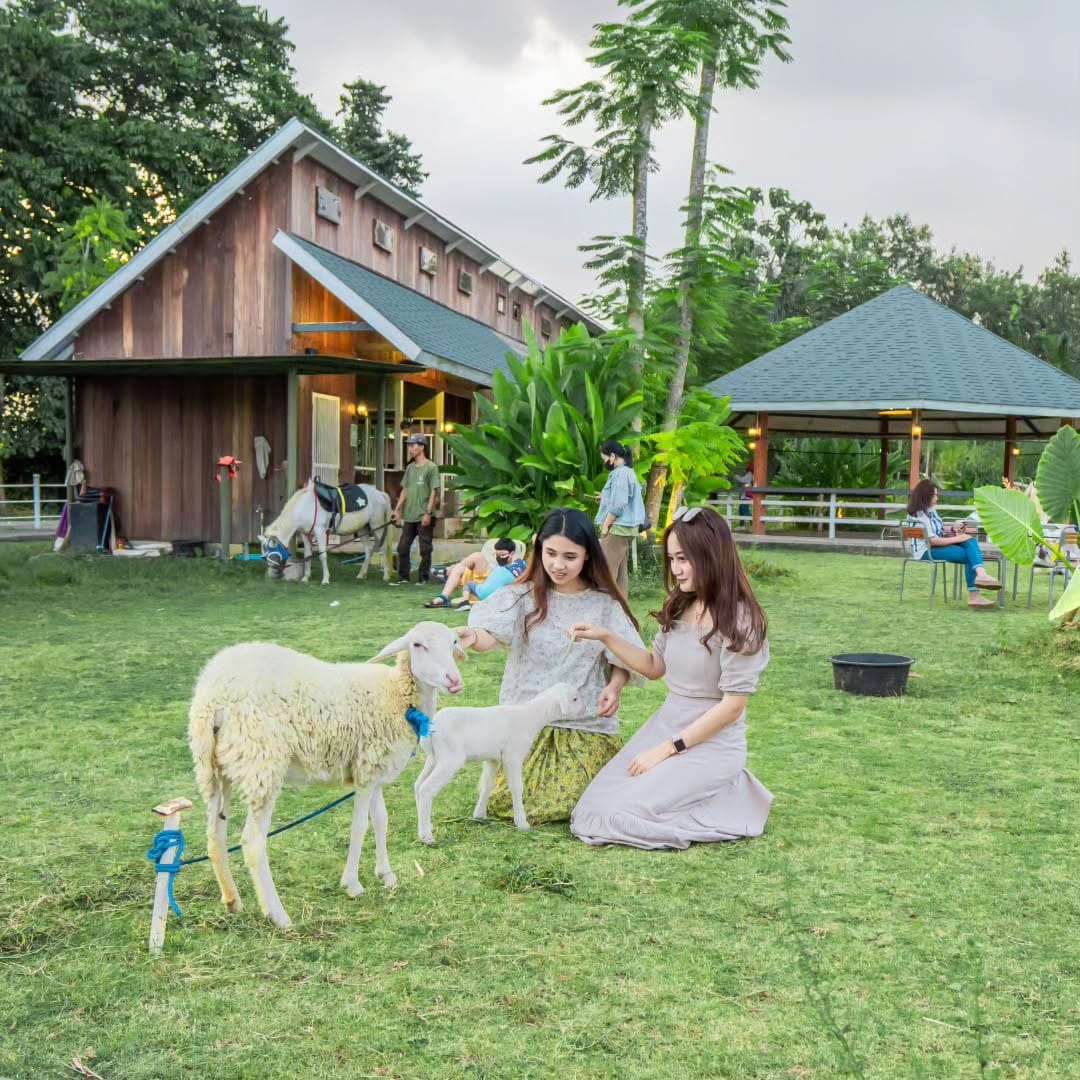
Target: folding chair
column 916, row 532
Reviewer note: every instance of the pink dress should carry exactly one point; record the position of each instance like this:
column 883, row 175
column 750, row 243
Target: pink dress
column 703, row 795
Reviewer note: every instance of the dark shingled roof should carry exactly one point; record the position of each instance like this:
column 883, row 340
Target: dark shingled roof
column 901, row 350
column 438, row 330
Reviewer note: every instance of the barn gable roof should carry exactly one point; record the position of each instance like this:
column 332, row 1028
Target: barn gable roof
column 57, row 342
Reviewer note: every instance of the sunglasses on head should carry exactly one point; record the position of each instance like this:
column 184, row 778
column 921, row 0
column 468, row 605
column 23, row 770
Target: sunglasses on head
column 686, row 513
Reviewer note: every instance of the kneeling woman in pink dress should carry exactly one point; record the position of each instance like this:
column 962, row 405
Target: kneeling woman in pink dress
column 682, row 779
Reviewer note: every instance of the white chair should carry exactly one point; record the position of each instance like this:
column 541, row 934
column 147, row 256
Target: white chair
column 916, row 532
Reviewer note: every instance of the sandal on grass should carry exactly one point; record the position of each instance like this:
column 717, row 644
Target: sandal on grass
column 439, row 601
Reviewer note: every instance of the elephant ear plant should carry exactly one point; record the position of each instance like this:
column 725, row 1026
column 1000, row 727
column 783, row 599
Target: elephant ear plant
column 1013, row 522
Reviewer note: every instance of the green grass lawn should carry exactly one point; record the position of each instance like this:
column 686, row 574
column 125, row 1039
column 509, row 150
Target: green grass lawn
column 912, row 909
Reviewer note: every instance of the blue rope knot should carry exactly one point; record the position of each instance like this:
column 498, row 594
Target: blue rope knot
column 163, row 843
column 419, row 721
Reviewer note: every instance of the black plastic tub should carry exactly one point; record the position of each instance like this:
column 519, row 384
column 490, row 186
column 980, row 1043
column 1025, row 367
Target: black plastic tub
column 873, row 674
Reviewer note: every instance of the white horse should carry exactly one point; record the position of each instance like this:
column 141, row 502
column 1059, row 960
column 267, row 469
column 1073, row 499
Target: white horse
column 304, row 514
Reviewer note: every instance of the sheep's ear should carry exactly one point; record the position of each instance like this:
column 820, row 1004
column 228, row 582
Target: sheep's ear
column 390, row 650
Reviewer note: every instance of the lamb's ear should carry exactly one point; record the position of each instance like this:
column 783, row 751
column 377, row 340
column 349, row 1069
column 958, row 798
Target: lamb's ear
column 390, row 650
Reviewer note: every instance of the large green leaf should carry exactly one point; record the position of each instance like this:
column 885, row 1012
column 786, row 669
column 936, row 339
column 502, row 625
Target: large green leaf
column 1058, row 478
column 1011, row 521
column 1069, row 601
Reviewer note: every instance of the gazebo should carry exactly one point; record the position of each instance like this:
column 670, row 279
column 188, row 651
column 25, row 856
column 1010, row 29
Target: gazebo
column 900, row 366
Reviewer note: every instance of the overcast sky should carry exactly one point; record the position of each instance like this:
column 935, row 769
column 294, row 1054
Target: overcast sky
column 959, row 112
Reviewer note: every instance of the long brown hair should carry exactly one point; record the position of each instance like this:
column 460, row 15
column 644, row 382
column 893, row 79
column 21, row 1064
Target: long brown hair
column 719, row 582
column 578, row 529
column 922, row 495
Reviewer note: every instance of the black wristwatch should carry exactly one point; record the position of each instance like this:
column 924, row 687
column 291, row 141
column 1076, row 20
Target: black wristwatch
column 680, row 746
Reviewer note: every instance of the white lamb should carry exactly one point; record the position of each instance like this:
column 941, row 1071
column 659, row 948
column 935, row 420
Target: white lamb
column 262, row 714
column 495, row 734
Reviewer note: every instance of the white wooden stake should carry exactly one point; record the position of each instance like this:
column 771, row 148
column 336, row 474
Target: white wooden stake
column 170, row 811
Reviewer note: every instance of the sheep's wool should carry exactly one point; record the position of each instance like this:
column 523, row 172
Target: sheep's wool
column 260, row 711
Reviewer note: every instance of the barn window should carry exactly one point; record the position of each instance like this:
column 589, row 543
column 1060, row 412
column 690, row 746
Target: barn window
column 384, row 236
column 464, row 282
column 429, row 261
column 500, row 303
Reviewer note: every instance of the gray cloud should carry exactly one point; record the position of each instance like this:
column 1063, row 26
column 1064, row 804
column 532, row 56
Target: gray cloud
column 960, row 114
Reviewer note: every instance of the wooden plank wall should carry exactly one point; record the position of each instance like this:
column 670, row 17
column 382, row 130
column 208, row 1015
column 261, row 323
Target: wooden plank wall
column 223, row 292
column 354, row 239
column 156, row 440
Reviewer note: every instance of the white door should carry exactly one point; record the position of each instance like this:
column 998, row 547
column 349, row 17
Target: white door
column 325, row 437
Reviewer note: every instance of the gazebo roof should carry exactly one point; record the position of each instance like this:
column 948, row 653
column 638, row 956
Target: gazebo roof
column 901, row 351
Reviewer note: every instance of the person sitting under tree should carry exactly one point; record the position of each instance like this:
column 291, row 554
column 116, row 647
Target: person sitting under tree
column 415, row 510
column 477, row 577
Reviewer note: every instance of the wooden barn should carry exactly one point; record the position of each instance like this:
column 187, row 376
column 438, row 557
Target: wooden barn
column 303, row 305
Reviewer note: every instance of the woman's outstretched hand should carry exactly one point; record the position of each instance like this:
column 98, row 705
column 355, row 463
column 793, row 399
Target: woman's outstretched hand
column 609, row 701
column 649, row 759
column 584, row 631
column 466, row 637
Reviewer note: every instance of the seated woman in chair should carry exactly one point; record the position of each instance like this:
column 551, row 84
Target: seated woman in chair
column 948, row 544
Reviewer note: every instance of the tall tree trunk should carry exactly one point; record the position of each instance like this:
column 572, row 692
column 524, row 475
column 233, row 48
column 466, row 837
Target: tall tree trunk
column 654, row 492
column 635, row 289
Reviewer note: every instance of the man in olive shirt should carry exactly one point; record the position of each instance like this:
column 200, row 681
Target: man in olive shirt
column 416, row 509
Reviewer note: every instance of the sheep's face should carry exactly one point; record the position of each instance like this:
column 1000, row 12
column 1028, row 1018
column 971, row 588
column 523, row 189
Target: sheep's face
column 571, row 703
column 431, row 647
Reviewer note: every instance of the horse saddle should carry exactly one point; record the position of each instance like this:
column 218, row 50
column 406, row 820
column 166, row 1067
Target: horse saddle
column 340, row 500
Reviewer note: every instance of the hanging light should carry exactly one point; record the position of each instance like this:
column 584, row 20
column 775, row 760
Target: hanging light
column 754, row 432
column 361, row 410
column 1016, row 451
column 752, row 445
column 916, row 431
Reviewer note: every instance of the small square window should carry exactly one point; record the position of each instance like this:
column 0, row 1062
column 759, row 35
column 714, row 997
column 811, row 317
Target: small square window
column 515, row 310
column 429, row 261
column 464, row 282
column 384, row 236
column 500, row 304
column 545, row 328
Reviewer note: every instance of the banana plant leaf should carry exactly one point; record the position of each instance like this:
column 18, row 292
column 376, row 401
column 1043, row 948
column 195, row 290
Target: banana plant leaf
column 1069, row 600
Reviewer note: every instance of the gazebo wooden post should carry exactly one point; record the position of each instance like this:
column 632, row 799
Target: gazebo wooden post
column 883, row 475
column 1067, row 421
column 1009, row 468
column 916, row 450
column 761, row 471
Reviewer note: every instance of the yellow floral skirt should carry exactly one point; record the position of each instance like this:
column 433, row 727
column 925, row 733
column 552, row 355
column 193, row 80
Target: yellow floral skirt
column 560, row 766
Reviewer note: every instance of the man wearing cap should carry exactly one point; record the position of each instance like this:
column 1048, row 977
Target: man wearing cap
column 415, row 509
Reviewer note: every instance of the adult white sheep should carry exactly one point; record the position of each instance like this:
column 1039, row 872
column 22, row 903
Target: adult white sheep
column 495, row 734
column 262, row 714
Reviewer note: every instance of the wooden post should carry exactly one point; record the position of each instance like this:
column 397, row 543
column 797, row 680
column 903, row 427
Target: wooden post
column 761, row 470
column 916, row 450
column 69, row 433
column 380, row 437
column 170, row 812
column 883, row 474
column 399, row 417
column 1009, row 469
column 1067, row 421
column 292, row 432
column 225, row 506
column 439, row 446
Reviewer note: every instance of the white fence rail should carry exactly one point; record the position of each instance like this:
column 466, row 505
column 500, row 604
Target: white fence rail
column 826, row 509
column 34, row 504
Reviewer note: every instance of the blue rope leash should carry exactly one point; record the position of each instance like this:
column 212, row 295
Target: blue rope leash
column 280, row 829
column 163, row 843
